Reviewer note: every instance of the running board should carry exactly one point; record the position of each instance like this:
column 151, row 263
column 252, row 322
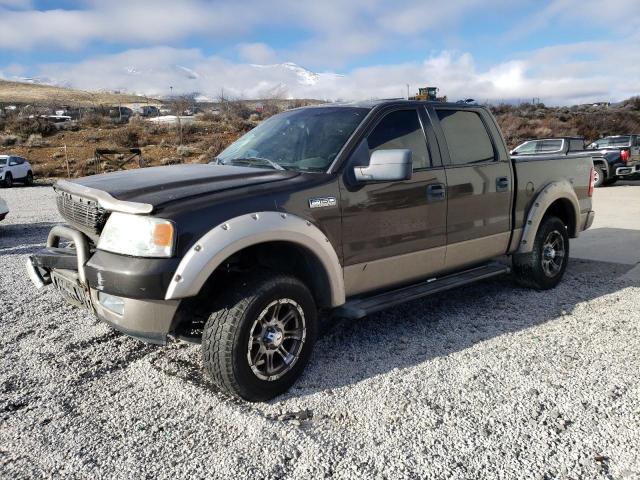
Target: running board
column 361, row 307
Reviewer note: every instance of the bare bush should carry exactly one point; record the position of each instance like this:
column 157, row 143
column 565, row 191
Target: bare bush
column 128, row 136
column 30, row 126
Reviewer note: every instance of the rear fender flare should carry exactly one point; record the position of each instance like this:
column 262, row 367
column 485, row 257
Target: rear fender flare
column 238, row 233
column 561, row 190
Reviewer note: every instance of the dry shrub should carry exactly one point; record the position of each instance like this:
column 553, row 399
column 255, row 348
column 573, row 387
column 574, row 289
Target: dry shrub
column 214, row 144
column 128, row 136
column 94, row 120
column 30, row 126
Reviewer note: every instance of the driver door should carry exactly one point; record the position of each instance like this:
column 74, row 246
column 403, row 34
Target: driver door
column 394, row 232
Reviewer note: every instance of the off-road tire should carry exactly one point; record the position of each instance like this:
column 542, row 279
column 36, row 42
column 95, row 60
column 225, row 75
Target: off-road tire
column 227, row 331
column 610, row 181
column 528, row 268
column 8, row 180
column 600, row 177
column 29, row 180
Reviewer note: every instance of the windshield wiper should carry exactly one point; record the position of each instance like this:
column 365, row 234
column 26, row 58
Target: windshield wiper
column 252, row 160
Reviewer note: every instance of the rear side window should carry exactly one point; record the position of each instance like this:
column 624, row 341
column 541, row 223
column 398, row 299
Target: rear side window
column 467, row 138
column 401, row 130
column 527, row 147
column 576, row 144
column 546, row 146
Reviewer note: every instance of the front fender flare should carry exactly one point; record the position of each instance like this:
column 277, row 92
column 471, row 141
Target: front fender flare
column 210, row 251
column 560, row 190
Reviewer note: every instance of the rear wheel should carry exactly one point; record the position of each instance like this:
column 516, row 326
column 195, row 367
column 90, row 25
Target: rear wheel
column 256, row 345
column 29, row 180
column 610, row 181
column 598, row 176
column 544, row 266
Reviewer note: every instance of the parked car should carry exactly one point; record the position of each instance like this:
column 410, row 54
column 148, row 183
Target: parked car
column 149, row 111
column 549, row 145
column 15, row 169
column 617, row 156
column 344, row 209
column 4, row 209
column 122, row 114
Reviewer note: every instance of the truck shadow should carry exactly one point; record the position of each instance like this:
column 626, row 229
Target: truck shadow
column 353, row 351
column 19, row 239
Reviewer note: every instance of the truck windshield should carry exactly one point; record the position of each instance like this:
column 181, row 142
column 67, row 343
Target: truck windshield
column 3, row 162
column 307, row 139
column 623, row 141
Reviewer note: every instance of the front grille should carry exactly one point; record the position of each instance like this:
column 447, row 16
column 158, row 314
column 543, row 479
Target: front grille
column 80, row 212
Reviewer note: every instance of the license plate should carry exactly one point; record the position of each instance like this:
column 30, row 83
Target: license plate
column 72, row 290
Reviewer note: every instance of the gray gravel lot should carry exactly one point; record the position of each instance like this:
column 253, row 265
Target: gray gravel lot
column 490, row 381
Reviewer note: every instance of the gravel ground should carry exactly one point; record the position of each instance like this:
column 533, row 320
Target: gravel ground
column 490, row 381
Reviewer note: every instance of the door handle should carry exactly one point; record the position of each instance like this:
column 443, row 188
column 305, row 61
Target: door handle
column 502, row 184
column 436, row 192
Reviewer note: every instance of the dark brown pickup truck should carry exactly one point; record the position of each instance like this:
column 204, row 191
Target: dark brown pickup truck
column 344, row 209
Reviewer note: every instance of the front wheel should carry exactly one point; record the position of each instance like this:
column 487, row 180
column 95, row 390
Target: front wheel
column 257, row 344
column 8, row 180
column 544, row 266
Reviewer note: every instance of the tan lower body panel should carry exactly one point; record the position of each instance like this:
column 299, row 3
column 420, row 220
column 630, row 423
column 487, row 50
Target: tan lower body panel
column 403, row 269
column 477, row 250
column 388, row 272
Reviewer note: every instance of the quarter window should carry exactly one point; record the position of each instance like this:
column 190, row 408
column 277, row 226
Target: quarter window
column 401, row 130
column 467, row 138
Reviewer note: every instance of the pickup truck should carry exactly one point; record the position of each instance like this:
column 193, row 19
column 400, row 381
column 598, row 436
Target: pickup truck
column 616, row 156
column 340, row 210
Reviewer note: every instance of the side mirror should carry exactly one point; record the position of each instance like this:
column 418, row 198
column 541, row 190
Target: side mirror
column 386, row 166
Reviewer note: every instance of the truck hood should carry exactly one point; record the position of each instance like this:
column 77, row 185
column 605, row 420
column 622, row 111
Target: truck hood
column 158, row 185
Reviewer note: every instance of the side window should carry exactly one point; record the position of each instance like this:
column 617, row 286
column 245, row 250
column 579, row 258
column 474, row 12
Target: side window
column 13, row 161
column 401, row 130
column 527, row 147
column 467, row 138
column 550, row 146
column 576, row 144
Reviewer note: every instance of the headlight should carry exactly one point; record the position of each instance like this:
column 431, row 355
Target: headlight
column 137, row 235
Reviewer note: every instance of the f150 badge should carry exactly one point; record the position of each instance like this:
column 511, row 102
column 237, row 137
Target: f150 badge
column 321, row 202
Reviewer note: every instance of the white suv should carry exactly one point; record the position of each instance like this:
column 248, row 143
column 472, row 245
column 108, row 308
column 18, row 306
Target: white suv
column 15, row 169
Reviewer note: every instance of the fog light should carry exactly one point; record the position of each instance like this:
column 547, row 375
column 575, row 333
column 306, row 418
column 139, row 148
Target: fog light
column 112, row 303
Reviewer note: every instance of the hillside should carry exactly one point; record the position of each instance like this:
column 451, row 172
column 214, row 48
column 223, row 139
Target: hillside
column 48, row 95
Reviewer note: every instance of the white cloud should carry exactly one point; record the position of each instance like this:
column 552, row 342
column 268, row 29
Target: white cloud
column 551, row 74
column 256, row 52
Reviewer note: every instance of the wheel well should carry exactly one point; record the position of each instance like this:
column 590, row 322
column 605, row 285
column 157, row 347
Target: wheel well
column 603, row 164
column 286, row 257
column 563, row 209
column 281, row 257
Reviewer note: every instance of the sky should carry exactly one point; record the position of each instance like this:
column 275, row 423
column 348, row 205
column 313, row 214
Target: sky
column 561, row 51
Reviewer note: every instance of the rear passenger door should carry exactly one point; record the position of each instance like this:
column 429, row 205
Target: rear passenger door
column 479, row 185
column 394, row 232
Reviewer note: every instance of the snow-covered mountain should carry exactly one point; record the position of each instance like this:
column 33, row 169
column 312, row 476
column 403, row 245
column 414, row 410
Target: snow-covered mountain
column 304, row 76
column 207, row 79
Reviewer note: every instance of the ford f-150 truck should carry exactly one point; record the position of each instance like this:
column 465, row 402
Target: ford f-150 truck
column 615, row 157
column 341, row 209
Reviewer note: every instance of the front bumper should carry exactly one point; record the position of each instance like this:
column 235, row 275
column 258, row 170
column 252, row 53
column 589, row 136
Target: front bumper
column 150, row 320
column 629, row 170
